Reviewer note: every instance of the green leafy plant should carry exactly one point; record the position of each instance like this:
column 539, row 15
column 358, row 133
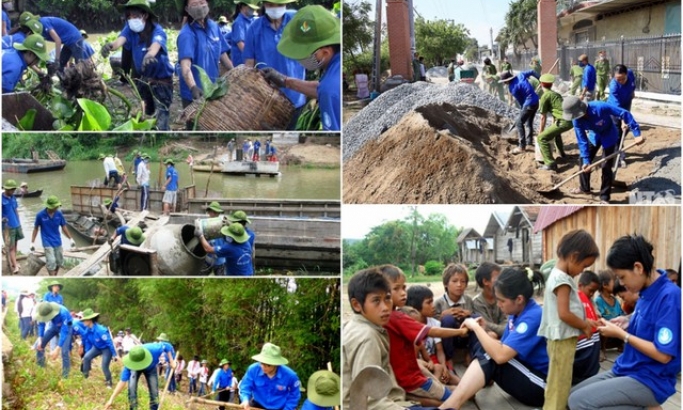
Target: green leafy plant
column 95, row 116
column 26, row 122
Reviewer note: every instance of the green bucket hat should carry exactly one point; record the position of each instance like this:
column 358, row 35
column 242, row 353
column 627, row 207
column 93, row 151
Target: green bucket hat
column 215, row 206
column 34, row 43
column 223, row 19
column 10, row 184
column 135, row 236
column 238, row 216
column 101, row 156
column 224, row 362
column 270, row 354
column 107, row 202
column 53, row 283
column 52, row 202
column 169, row 161
column 139, row 358
column 163, row 337
column 46, row 311
column 323, row 389
column 573, row 108
column 138, row 4
column 89, row 314
column 311, row 28
column 34, row 24
column 236, row 231
column 547, row 78
column 26, row 16
column 251, row 3
column 204, row 361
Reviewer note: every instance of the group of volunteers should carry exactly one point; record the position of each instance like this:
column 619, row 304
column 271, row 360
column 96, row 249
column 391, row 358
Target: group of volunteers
column 253, row 150
column 544, row 356
column 284, row 44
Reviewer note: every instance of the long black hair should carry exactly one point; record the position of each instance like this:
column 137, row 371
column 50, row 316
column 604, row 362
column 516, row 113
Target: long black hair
column 628, row 250
column 513, row 282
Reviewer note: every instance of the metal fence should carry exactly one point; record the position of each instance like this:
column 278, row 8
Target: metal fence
column 655, row 60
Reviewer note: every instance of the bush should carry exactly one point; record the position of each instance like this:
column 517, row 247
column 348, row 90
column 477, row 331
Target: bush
column 433, row 268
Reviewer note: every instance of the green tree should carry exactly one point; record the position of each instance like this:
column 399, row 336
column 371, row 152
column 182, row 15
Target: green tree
column 439, row 40
column 520, row 24
column 358, row 29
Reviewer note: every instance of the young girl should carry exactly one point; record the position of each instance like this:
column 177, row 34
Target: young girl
column 404, row 334
column 454, row 307
column 203, row 378
column 608, row 306
column 563, row 317
column 645, row 374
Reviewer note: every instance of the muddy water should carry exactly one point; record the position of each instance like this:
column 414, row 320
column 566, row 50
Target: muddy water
column 294, row 183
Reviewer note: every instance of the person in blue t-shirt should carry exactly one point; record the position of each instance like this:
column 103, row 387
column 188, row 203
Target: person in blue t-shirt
column 129, row 235
column 200, row 43
column 622, row 91
column 48, row 222
column 527, row 98
column 53, row 295
column 61, row 324
column 260, row 49
column 11, row 224
column 17, row 59
column 270, row 384
column 170, row 187
column 97, row 342
column 19, row 32
column 589, row 79
column 595, row 128
column 313, row 39
column 323, row 391
column 67, row 38
column 241, row 20
column 257, row 147
column 147, row 41
column 214, row 263
column 226, row 31
column 235, row 248
column 142, row 360
column 222, row 382
column 6, row 22
column 645, row 374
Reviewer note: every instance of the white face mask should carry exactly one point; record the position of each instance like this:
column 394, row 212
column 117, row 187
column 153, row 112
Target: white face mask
column 249, row 12
column 276, row 13
column 137, row 25
column 9, row 6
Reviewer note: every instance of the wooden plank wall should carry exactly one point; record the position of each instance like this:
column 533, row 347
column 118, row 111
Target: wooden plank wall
column 659, row 224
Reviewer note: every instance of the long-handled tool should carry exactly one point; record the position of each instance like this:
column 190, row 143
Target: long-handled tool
column 548, row 72
column 171, row 375
column 220, row 403
column 621, row 145
column 591, row 166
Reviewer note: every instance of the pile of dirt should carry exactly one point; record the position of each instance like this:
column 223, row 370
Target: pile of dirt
column 313, row 154
column 443, row 154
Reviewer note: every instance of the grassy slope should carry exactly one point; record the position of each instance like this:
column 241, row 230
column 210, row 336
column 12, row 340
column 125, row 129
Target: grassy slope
column 41, row 389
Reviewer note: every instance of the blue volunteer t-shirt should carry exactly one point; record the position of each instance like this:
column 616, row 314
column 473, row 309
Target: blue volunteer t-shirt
column 163, row 68
column 522, row 90
column 261, row 46
column 99, row 337
column 223, row 379
column 8, row 22
column 156, row 349
column 204, row 46
column 237, row 257
column 239, row 33
column 589, row 78
column 521, row 336
column 121, row 231
column 51, row 297
column 621, row 95
column 66, row 31
column 13, row 66
column 88, row 51
column 657, row 318
column 64, row 322
column 227, row 35
column 252, row 236
column 9, row 211
column 10, row 39
column 308, row 405
column 49, row 227
column 329, row 95
column 173, row 174
column 282, row 391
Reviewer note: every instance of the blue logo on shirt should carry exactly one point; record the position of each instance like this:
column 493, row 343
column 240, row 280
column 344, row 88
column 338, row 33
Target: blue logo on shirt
column 522, row 328
column 665, row 336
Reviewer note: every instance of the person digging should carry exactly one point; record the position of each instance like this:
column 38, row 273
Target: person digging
column 551, row 103
column 594, row 128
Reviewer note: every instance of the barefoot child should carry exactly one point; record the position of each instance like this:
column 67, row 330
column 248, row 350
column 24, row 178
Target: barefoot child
column 563, row 317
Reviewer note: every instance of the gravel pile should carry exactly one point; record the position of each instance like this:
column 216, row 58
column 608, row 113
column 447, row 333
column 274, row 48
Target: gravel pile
column 665, row 179
column 388, row 109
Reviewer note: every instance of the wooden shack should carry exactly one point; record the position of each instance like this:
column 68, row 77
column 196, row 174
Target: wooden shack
column 474, row 248
column 661, row 225
column 496, row 231
column 526, row 243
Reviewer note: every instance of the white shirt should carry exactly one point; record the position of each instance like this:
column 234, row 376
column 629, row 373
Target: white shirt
column 193, row 368
column 142, row 174
column 180, row 366
column 109, row 165
column 128, row 342
column 234, row 384
column 213, row 377
column 27, row 305
column 203, row 374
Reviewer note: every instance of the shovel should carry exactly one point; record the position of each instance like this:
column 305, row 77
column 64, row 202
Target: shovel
column 591, row 166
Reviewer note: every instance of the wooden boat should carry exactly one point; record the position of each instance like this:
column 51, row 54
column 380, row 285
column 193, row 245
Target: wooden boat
column 29, row 194
column 27, row 166
column 86, row 227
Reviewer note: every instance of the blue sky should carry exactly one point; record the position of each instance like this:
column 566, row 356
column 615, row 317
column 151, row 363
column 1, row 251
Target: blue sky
column 476, row 15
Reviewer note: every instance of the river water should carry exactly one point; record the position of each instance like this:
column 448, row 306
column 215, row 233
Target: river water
column 294, row 183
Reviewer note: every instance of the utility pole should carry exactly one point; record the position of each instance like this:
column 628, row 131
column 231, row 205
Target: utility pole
column 411, row 22
column 491, row 36
column 377, row 53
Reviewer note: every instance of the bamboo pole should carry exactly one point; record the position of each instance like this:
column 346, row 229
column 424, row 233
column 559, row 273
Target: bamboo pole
column 329, row 368
column 206, row 192
column 171, row 375
column 219, row 403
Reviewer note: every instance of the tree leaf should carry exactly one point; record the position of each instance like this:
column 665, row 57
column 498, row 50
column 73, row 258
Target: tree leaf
column 26, row 122
column 95, row 116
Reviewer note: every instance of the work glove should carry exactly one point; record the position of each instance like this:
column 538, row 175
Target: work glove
column 33, row 247
column 52, row 68
column 73, row 243
column 197, row 93
column 106, row 50
column 198, row 233
column 274, row 77
column 148, row 60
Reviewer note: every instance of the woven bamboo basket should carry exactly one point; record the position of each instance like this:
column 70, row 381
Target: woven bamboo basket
column 251, row 103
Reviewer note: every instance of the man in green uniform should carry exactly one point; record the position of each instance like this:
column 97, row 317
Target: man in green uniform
column 505, row 65
column 489, row 73
column 535, row 65
column 416, row 67
column 576, row 75
column 551, row 103
column 602, row 67
column 451, row 70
